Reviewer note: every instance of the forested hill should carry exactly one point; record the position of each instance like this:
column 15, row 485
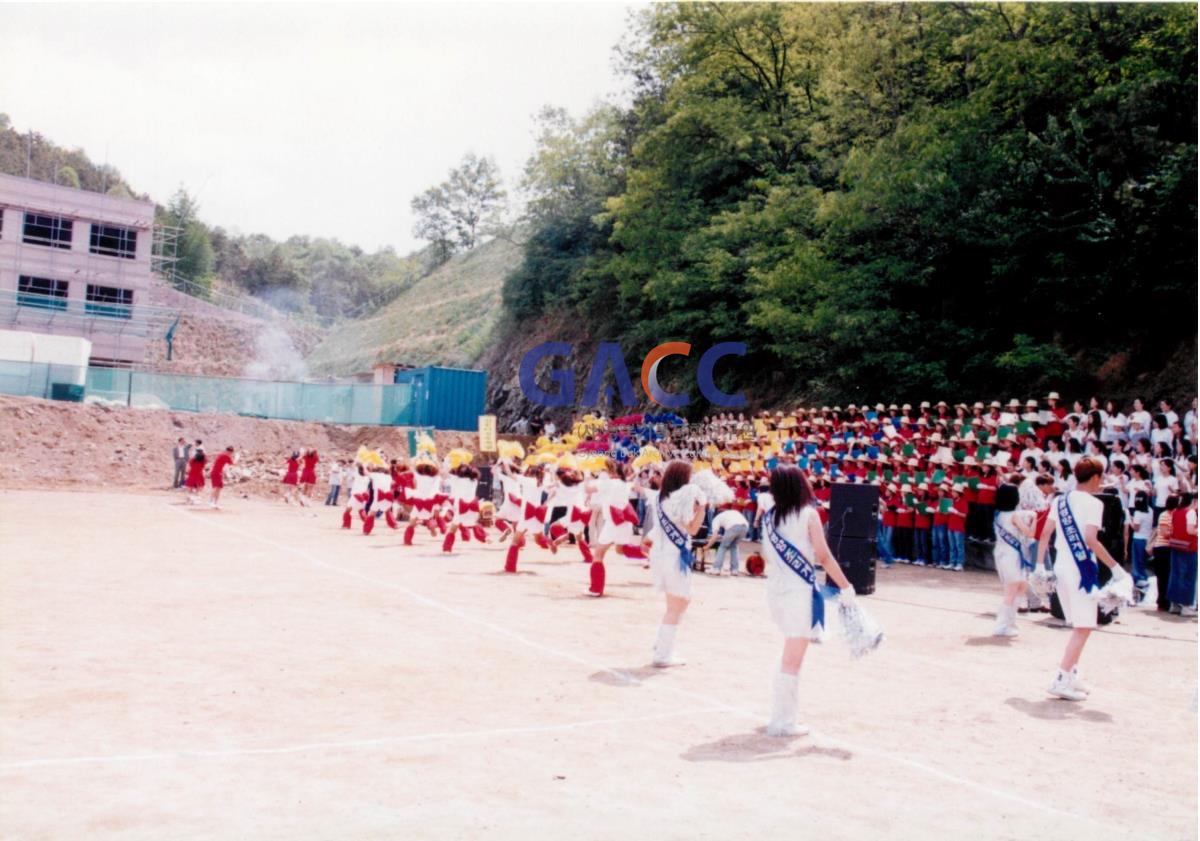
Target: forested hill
column 883, row 201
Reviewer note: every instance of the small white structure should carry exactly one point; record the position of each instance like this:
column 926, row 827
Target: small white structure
column 69, row 354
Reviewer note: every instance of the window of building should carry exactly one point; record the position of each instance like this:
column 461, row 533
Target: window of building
column 113, row 241
column 41, row 292
column 52, row 231
column 109, row 301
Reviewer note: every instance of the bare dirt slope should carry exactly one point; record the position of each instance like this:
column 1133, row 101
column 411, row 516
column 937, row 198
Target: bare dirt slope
column 51, row 444
column 215, row 341
column 258, row 673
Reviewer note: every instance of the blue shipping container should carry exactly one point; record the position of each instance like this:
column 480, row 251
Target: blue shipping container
column 446, row 398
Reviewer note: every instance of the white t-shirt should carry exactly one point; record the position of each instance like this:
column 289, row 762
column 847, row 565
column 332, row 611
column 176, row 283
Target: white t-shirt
column 1166, row 436
column 727, row 519
column 1088, row 511
column 1164, row 486
column 1143, row 418
column 1143, row 525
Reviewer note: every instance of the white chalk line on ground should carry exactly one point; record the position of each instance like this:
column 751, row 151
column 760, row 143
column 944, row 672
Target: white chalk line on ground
column 205, row 753
column 565, row 655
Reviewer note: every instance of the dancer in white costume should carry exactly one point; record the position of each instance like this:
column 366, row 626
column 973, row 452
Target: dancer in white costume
column 463, row 480
column 533, row 515
column 570, row 493
column 678, row 515
column 1074, row 522
column 1014, row 530
column 793, row 542
column 424, row 496
column 360, row 496
column 382, row 484
column 611, row 492
column 509, row 514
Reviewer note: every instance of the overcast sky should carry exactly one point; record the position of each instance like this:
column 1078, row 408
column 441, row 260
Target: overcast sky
column 317, row 119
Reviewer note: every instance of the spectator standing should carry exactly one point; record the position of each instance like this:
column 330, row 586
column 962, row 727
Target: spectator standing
column 182, row 453
column 335, row 483
column 1181, row 591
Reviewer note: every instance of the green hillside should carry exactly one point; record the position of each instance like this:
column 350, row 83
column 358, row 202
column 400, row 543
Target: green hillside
column 445, row 318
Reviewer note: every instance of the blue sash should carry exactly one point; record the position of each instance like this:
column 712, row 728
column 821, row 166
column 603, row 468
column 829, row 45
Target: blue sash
column 674, row 534
column 1079, row 550
column 1013, row 541
column 799, row 565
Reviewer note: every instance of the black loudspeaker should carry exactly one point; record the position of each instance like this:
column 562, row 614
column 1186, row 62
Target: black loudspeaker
column 856, row 557
column 853, row 511
column 1112, row 527
column 484, row 489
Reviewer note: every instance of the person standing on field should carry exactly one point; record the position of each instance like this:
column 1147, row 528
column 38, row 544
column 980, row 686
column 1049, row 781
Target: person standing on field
column 182, row 453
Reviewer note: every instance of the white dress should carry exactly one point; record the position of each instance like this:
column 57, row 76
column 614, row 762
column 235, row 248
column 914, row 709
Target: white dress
column 571, row 497
column 789, row 596
column 666, row 569
column 462, row 492
column 510, row 507
column 1008, row 562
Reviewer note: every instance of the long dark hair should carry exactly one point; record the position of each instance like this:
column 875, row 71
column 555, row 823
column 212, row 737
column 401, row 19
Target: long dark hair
column 791, row 490
column 677, row 474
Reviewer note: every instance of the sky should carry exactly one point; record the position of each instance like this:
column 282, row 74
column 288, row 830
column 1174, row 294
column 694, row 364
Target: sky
column 315, row 119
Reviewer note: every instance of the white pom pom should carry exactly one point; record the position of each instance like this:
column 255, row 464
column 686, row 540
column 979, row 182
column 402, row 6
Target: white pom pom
column 862, row 633
column 1115, row 594
column 714, row 490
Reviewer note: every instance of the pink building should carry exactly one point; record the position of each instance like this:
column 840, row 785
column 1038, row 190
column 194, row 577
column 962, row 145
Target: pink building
column 74, row 262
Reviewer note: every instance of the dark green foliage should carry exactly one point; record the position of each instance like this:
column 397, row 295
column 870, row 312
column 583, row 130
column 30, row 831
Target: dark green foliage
column 888, row 201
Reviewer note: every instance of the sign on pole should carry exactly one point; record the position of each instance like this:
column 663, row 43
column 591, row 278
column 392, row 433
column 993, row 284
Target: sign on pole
column 487, row 433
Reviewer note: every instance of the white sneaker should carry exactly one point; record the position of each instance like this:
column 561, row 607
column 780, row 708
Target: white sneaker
column 1077, row 682
column 1006, row 622
column 1062, row 688
column 784, row 701
column 1187, row 611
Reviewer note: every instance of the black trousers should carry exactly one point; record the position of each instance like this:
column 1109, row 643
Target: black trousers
column 1161, row 566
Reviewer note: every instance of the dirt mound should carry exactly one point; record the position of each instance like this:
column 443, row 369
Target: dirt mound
column 53, row 445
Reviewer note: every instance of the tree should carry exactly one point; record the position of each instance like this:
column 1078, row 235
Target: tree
column 194, row 258
column 466, row 206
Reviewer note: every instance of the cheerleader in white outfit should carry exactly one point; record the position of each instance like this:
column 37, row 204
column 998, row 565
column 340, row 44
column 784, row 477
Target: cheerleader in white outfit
column 533, row 515
column 360, row 496
column 424, row 498
column 570, row 493
column 617, row 518
column 678, row 515
column 1014, row 530
column 381, row 482
column 793, row 544
column 463, row 480
column 1074, row 525
column 509, row 514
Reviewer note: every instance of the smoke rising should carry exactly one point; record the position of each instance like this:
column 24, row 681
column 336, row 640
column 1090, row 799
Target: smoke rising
column 275, row 357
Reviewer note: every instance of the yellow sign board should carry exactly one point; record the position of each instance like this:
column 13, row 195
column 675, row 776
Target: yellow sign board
column 487, row 433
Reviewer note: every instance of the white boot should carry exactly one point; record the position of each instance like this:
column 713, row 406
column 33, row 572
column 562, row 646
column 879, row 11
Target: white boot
column 1006, row 621
column 784, row 700
column 664, row 644
column 1062, row 688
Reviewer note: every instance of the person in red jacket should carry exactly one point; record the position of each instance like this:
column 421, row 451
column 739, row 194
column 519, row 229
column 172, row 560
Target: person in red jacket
column 308, row 475
column 902, row 538
column 217, row 474
column 956, row 528
column 887, row 525
column 922, row 524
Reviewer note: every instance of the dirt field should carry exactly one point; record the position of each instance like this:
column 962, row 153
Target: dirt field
column 257, row 673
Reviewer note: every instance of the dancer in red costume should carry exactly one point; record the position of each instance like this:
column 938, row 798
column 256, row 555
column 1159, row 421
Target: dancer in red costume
column 195, row 474
column 381, row 484
column 359, row 497
column 217, row 474
column 291, row 478
column 308, row 472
